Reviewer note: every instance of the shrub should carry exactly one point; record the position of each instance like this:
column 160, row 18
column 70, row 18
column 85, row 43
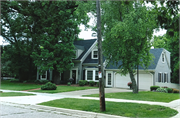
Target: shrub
column 81, row 82
column 86, row 82
column 48, row 86
column 69, row 83
column 162, row 90
column 169, row 90
column 91, row 83
column 71, row 80
column 175, row 90
column 164, row 87
column 154, row 87
column 97, row 84
column 14, row 80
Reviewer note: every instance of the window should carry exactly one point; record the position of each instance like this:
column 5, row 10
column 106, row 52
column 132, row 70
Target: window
column 89, row 75
column 94, row 54
column 163, row 58
column 109, row 78
column 165, row 77
column 44, row 76
column 96, row 76
column 159, row 77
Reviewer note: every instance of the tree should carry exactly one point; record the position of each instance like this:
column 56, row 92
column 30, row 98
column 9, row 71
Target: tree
column 160, row 41
column 168, row 18
column 127, row 36
column 57, row 28
column 15, row 30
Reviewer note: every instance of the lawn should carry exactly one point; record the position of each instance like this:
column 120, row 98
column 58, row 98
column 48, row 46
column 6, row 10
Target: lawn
column 63, row 88
column 7, row 85
column 10, row 94
column 144, row 96
column 113, row 108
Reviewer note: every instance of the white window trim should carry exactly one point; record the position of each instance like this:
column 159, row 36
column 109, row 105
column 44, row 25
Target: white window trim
column 163, row 56
column 161, row 77
column 112, row 75
column 166, row 74
column 94, row 74
column 92, row 54
column 44, row 78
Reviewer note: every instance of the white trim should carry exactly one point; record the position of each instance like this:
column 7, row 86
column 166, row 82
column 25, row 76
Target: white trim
column 87, row 53
column 109, row 72
column 93, row 74
column 163, row 57
column 44, row 78
column 76, row 73
column 161, row 77
column 92, row 54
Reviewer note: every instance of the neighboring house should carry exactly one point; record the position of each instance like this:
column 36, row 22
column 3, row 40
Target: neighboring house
column 86, row 62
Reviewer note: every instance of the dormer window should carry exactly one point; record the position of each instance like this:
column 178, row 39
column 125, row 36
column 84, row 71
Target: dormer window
column 163, row 57
column 94, row 54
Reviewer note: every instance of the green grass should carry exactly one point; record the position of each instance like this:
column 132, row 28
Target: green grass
column 7, row 85
column 10, row 94
column 144, row 96
column 113, row 108
column 64, row 89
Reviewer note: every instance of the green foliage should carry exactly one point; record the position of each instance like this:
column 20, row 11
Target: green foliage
column 81, row 83
column 69, row 83
column 162, row 90
column 128, row 30
column 91, row 83
column 154, row 87
column 86, row 82
column 169, row 90
column 48, row 86
column 97, row 84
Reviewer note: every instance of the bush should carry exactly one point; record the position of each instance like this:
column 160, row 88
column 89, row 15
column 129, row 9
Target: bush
column 48, row 86
column 14, row 80
column 69, row 83
column 169, row 90
column 81, row 82
column 154, row 87
column 71, row 80
column 97, row 84
column 91, row 83
column 175, row 90
column 86, row 82
column 129, row 84
column 162, row 90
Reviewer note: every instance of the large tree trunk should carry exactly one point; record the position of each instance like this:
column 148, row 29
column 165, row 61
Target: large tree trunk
column 134, row 86
column 56, row 77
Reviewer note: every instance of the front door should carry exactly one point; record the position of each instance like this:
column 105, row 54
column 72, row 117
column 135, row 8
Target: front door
column 109, row 77
column 74, row 76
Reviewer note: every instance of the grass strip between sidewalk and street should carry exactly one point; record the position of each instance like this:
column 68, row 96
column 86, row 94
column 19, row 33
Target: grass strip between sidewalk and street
column 11, row 94
column 143, row 95
column 113, row 108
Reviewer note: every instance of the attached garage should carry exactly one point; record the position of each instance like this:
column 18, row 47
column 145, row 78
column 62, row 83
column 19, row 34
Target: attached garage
column 145, row 80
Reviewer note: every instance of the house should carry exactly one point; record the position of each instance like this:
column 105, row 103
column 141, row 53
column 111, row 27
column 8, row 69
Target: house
column 86, row 62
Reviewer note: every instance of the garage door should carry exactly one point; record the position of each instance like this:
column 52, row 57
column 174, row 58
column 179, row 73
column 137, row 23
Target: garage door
column 145, row 81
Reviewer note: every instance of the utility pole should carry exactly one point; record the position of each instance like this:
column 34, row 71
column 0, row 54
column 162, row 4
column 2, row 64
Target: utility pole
column 100, row 60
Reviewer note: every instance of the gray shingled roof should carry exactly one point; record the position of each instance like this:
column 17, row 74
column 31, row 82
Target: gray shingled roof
column 156, row 52
column 90, row 60
column 86, row 44
column 79, row 47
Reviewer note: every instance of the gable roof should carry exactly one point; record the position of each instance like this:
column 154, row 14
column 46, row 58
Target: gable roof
column 85, row 45
column 156, row 52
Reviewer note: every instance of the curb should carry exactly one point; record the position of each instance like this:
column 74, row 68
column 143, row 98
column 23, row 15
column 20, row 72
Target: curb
column 63, row 111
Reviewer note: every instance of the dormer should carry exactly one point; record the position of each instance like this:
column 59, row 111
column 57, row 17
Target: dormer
column 163, row 57
column 78, row 50
column 94, row 54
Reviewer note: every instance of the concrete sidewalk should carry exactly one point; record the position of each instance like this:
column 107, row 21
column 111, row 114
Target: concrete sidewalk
column 32, row 101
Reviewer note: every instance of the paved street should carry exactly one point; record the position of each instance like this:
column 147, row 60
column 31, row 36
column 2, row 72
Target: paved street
column 15, row 111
